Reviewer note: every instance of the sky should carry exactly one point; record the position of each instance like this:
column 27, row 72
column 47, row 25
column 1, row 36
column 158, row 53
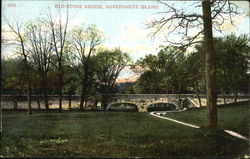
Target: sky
column 123, row 28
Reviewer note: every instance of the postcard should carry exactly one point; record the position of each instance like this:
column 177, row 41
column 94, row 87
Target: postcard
column 125, row 79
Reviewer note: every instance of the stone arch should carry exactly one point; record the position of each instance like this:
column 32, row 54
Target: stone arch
column 165, row 102
column 123, row 102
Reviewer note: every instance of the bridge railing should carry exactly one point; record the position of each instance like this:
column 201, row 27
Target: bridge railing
column 125, row 96
column 177, row 95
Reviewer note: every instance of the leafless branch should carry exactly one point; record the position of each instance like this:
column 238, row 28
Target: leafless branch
column 180, row 21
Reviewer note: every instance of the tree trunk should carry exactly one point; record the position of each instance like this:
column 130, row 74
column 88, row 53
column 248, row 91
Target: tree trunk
column 70, row 98
column 82, row 97
column 15, row 102
column 45, row 94
column 197, row 95
column 224, row 98
column 27, row 77
column 95, row 105
column 85, row 104
column 84, row 87
column 29, row 97
column 28, row 84
column 38, row 103
column 172, row 88
column 209, row 65
column 60, row 86
column 235, row 95
column 104, row 102
column 179, row 95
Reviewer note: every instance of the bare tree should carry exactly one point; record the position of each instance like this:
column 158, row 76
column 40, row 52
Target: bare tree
column 58, row 27
column 39, row 48
column 84, row 41
column 16, row 27
column 191, row 24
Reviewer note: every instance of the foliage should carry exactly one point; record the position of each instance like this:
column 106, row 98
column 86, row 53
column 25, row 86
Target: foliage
column 232, row 63
column 165, row 72
column 108, row 65
column 172, row 71
column 92, row 72
column 12, row 75
column 83, row 44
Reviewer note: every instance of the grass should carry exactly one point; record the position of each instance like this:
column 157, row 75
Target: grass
column 110, row 134
column 234, row 117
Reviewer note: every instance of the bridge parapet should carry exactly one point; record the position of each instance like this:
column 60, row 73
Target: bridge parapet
column 143, row 101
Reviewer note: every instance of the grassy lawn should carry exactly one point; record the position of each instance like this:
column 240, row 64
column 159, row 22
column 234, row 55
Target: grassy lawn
column 110, row 134
column 234, row 117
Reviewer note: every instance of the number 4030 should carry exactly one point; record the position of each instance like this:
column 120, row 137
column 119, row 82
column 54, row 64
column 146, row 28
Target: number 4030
column 11, row 5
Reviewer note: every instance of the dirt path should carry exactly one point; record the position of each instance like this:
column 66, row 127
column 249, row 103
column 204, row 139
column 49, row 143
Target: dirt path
column 159, row 114
column 179, row 122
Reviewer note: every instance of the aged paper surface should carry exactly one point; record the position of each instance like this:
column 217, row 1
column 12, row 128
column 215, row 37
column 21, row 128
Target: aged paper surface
column 124, row 78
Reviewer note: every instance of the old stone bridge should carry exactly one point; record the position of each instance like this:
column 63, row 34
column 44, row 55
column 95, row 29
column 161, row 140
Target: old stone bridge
column 143, row 101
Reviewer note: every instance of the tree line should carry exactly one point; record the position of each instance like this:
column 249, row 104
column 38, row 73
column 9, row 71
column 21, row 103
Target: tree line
column 93, row 76
column 174, row 71
column 53, row 59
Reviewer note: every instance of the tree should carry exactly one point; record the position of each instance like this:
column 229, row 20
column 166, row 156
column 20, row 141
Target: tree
column 150, row 81
column 58, row 28
column 233, row 62
column 16, row 27
column 70, row 80
column 183, row 21
column 84, row 41
column 13, row 82
column 108, row 65
column 165, row 72
column 180, row 73
column 39, row 47
column 196, row 72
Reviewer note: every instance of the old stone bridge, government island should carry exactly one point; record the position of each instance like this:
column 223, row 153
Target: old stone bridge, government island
column 143, row 101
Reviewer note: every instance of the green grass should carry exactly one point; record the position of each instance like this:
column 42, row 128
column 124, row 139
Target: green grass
column 110, row 134
column 234, row 117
